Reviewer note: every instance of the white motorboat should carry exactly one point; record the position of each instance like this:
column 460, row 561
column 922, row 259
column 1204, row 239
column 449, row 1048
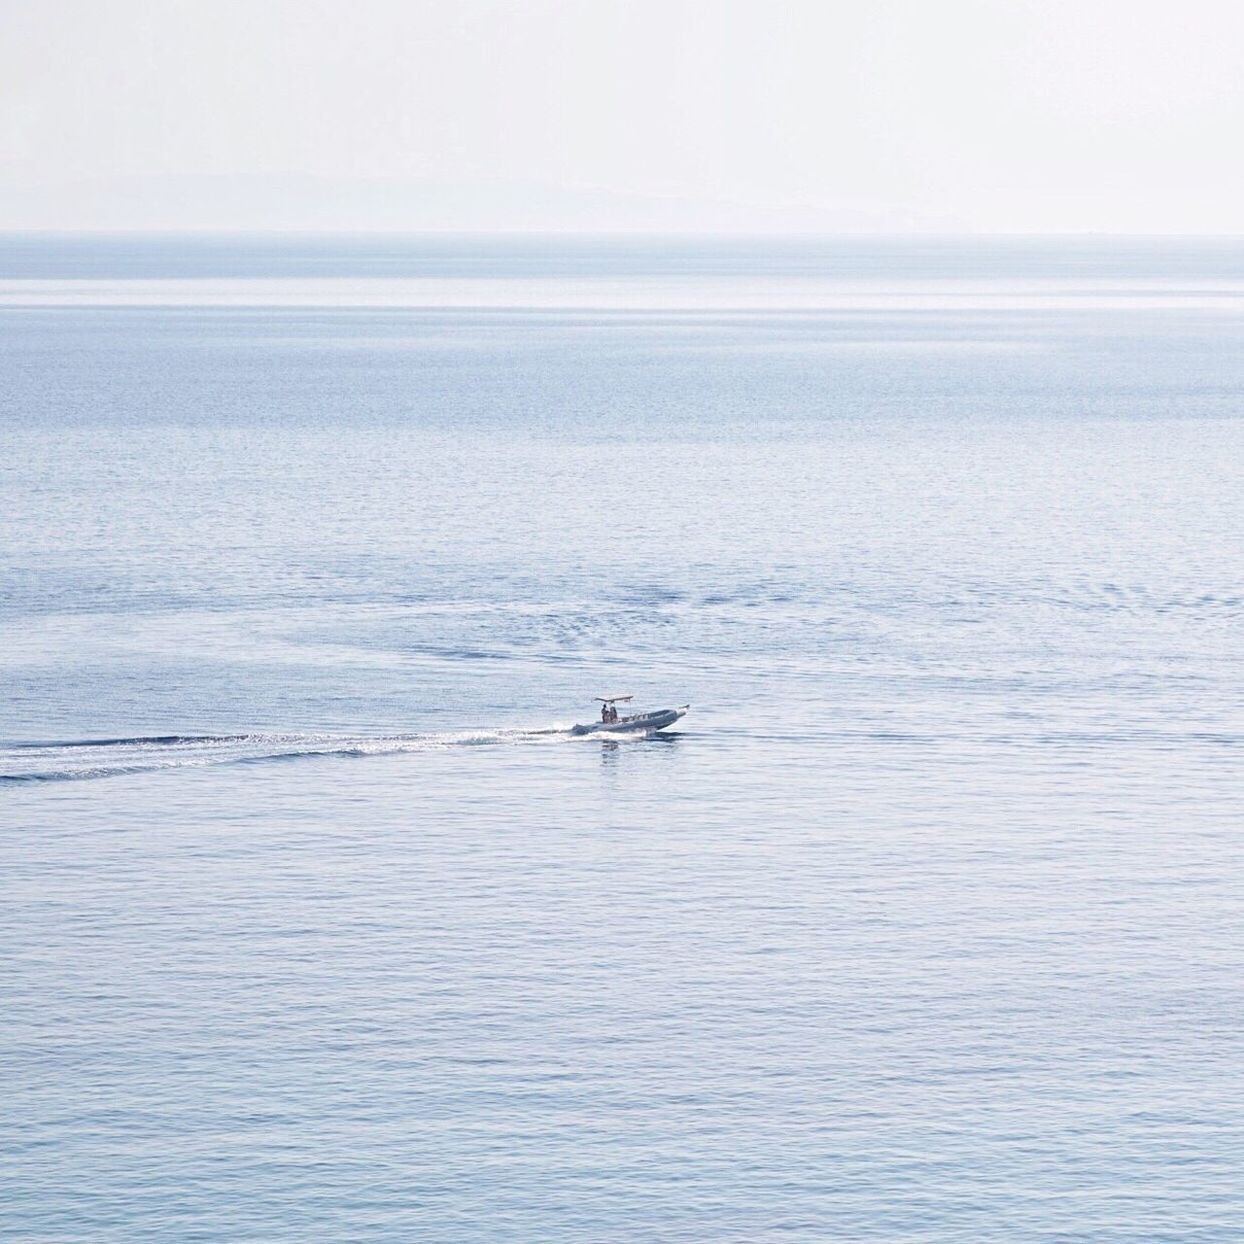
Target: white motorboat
column 613, row 722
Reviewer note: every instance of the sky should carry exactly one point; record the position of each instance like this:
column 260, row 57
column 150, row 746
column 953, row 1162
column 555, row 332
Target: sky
column 876, row 116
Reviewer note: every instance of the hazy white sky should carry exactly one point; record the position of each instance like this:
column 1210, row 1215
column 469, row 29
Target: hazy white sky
column 960, row 115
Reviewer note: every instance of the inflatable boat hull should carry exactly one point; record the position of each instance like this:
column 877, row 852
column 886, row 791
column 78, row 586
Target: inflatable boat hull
column 645, row 723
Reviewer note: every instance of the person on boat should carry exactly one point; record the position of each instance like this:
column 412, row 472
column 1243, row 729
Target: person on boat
column 604, row 712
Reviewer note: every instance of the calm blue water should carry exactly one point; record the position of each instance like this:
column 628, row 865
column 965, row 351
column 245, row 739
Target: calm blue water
column 926, row 925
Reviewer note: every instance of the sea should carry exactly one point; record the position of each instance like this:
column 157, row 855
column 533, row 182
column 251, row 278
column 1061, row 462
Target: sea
column 925, row 924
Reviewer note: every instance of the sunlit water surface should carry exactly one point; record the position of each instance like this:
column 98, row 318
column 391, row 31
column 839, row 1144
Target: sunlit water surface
column 924, row 925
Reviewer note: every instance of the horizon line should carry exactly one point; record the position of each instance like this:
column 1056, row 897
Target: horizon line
column 681, row 234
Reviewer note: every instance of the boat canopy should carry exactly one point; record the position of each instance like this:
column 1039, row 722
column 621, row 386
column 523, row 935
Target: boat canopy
column 613, row 699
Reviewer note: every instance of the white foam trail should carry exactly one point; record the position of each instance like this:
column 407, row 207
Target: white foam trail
column 87, row 758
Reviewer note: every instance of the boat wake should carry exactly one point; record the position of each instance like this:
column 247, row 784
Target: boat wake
column 78, row 759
